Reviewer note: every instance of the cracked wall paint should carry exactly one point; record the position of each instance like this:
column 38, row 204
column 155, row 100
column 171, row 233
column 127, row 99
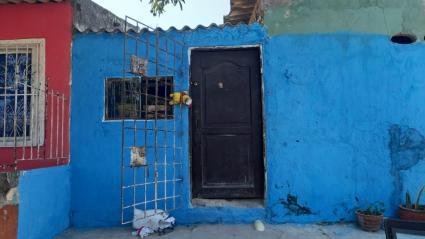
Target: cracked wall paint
column 368, row 16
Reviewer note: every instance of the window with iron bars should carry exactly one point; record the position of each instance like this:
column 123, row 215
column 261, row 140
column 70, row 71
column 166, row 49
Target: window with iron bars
column 138, row 98
column 21, row 87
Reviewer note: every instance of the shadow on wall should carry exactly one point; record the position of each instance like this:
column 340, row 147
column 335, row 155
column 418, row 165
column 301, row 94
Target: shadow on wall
column 407, row 146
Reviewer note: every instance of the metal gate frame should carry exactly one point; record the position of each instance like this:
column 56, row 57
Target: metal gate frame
column 154, row 185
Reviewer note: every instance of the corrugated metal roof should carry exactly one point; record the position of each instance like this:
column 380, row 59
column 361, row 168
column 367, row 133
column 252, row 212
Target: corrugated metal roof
column 28, row 1
column 171, row 29
column 200, row 27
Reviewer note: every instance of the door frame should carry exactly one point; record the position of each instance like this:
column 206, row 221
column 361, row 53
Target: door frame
column 264, row 158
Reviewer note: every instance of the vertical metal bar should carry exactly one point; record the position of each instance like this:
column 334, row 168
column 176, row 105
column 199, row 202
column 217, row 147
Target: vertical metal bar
column 57, row 128
column 134, row 187
column 44, row 122
column 123, row 124
column 51, row 125
column 181, row 134
column 41, row 91
column 34, row 115
column 156, row 117
column 133, row 86
column 34, row 88
column 134, row 99
column 146, row 119
column 174, row 130
column 166, row 125
column 15, row 113
column 139, row 97
column 5, row 98
column 122, row 169
column 26, row 81
column 62, row 123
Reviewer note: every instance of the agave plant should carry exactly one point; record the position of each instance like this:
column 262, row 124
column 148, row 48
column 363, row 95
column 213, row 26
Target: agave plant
column 417, row 205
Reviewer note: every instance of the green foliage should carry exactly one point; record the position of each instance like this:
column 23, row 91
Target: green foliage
column 158, row 6
column 376, row 209
column 417, row 205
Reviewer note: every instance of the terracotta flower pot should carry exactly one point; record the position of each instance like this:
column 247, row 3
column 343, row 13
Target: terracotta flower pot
column 370, row 223
column 412, row 214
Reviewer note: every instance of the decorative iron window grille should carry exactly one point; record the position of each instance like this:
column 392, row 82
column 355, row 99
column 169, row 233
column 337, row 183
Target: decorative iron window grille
column 21, row 80
column 138, row 98
column 34, row 120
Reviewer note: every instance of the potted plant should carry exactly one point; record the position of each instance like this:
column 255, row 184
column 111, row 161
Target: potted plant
column 370, row 218
column 413, row 212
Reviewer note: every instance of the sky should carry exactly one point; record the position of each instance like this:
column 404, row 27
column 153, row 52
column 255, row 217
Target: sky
column 194, row 12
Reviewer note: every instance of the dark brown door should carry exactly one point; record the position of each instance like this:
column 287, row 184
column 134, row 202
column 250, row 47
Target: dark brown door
column 227, row 160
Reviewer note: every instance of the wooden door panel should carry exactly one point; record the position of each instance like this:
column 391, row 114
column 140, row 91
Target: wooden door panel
column 234, row 157
column 226, row 86
column 226, row 124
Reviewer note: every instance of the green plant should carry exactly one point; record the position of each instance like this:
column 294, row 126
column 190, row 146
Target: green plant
column 417, row 205
column 376, row 209
column 158, row 6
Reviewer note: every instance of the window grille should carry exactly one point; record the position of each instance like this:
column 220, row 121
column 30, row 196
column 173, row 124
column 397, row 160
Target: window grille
column 134, row 98
column 33, row 122
column 21, row 79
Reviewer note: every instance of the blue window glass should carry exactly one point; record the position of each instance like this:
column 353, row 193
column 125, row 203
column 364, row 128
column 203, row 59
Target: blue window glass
column 15, row 93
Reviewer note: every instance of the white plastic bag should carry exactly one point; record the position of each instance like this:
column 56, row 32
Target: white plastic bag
column 152, row 221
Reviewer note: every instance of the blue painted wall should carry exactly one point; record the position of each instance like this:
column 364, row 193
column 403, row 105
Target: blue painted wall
column 44, row 207
column 96, row 150
column 343, row 123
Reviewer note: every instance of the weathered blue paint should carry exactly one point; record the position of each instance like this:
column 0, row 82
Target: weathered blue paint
column 44, row 207
column 331, row 103
column 407, row 150
column 96, row 170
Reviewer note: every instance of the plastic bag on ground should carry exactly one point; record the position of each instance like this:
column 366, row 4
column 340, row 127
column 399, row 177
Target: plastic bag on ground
column 152, row 221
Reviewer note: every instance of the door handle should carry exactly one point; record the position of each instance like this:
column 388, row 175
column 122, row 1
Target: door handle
column 194, row 83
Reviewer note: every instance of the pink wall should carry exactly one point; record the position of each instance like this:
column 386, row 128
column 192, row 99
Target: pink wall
column 53, row 22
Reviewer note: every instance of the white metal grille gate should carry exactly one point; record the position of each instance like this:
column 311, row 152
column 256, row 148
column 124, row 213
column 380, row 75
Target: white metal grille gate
column 152, row 130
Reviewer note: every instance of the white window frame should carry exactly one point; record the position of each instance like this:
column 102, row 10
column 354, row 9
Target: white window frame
column 37, row 47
